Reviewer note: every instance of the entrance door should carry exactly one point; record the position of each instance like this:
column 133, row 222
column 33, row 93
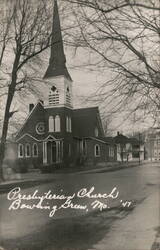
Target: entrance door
column 51, row 152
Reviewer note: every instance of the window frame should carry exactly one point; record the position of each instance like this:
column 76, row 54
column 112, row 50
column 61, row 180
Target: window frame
column 29, row 146
column 51, row 123
column 111, row 151
column 19, row 155
column 57, row 124
column 68, row 124
column 96, row 132
column 34, row 155
column 95, row 150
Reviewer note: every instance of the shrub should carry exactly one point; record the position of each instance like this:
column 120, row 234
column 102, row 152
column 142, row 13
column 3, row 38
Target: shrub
column 21, row 166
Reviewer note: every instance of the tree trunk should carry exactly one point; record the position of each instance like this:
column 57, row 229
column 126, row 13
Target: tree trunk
column 11, row 91
column 1, row 162
column 5, row 130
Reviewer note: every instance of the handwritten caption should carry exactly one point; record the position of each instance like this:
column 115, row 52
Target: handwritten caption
column 85, row 199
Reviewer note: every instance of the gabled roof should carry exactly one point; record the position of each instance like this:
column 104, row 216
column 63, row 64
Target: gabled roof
column 84, row 120
column 121, row 139
column 124, row 139
column 36, row 107
column 85, row 111
column 57, row 62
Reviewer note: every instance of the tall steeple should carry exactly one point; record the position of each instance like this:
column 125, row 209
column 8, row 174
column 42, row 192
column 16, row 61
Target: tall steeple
column 57, row 61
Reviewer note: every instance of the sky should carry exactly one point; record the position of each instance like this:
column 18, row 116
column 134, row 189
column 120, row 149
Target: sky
column 85, row 85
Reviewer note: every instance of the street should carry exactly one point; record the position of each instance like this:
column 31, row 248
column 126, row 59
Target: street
column 136, row 193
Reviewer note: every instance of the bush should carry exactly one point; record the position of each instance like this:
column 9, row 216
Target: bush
column 46, row 169
column 36, row 163
column 21, row 166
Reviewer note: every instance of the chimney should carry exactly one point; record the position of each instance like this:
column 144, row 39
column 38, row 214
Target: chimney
column 118, row 133
column 31, row 106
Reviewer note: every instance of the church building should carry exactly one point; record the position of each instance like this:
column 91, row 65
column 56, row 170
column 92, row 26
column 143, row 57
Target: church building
column 54, row 133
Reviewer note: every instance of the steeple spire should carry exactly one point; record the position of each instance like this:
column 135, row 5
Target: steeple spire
column 57, row 61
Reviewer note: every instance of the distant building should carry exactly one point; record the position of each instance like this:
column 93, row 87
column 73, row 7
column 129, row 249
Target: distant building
column 152, row 145
column 129, row 149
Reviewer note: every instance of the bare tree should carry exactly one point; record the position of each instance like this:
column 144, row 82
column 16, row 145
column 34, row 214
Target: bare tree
column 123, row 38
column 26, row 34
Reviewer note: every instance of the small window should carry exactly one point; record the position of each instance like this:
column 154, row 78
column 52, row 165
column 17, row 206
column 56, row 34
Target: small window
column 57, row 124
column 35, row 150
column 20, row 151
column 51, row 124
column 27, row 150
column 97, row 150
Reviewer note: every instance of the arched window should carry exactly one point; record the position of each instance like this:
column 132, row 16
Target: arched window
column 68, row 124
column 68, row 96
column 96, row 131
column 35, row 150
column 97, row 150
column 27, row 150
column 53, row 96
column 67, row 121
column 20, row 151
column 57, row 123
column 51, row 124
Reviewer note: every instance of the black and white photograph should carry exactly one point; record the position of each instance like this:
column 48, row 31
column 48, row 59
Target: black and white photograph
column 79, row 124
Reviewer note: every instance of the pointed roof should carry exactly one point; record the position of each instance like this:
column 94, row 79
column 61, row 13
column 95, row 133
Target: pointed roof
column 57, row 61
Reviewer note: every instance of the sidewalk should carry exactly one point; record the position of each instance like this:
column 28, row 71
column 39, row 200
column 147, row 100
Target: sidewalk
column 137, row 231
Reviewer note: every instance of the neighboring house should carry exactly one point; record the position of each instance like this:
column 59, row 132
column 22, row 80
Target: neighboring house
column 129, row 149
column 152, row 145
column 55, row 133
column 112, row 149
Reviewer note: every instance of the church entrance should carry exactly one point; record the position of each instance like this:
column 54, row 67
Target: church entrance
column 51, row 152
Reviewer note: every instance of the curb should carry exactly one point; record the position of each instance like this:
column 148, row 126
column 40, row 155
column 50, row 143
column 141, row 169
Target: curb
column 6, row 187
column 109, row 169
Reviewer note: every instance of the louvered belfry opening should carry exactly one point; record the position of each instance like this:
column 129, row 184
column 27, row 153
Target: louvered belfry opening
column 53, row 96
